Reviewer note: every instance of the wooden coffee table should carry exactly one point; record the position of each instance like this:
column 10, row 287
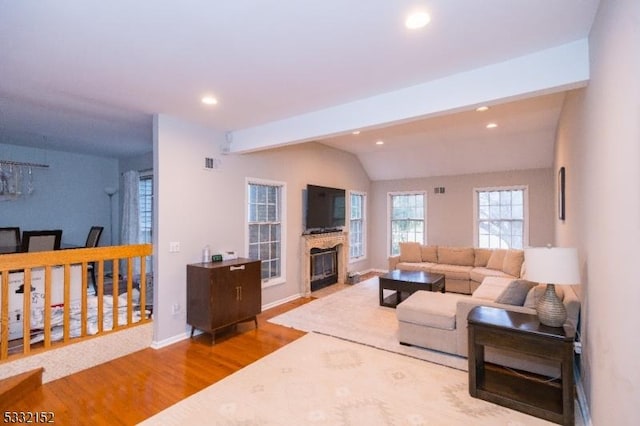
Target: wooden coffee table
column 406, row 283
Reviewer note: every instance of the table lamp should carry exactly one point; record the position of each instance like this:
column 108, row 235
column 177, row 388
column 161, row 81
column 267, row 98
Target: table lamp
column 552, row 266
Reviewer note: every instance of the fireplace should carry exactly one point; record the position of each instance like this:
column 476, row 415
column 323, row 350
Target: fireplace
column 324, row 267
column 336, row 242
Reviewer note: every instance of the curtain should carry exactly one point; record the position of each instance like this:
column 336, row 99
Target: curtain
column 130, row 216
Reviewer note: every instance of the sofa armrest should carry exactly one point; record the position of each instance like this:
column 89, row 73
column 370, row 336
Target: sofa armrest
column 393, row 262
column 465, row 306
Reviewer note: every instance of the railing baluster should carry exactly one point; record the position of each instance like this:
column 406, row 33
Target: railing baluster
column 115, row 293
column 143, row 288
column 4, row 316
column 67, row 303
column 47, row 306
column 84, row 309
column 26, row 311
column 100, row 296
column 130, row 261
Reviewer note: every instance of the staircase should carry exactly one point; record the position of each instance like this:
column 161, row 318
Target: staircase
column 15, row 388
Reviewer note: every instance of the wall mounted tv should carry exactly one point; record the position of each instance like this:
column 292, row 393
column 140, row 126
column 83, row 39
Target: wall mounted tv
column 325, row 209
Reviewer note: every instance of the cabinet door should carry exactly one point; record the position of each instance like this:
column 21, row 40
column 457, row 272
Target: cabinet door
column 224, row 297
column 250, row 303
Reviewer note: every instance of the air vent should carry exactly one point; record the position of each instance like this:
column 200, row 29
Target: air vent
column 438, row 190
column 212, row 163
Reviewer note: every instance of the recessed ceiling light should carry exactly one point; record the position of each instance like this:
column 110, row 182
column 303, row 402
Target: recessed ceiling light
column 380, row 143
column 356, row 132
column 492, row 126
column 417, row 20
column 209, row 100
column 482, row 108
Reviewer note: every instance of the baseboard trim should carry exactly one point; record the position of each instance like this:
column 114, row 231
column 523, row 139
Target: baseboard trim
column 169, row 341
column 281, row 301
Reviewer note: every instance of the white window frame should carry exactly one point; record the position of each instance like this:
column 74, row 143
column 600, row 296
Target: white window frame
column 389, row 205
column 364, row 226
column 525, row 200
column 269, row 282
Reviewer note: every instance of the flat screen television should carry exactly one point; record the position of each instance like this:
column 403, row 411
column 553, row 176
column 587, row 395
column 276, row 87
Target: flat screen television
column 325, row 208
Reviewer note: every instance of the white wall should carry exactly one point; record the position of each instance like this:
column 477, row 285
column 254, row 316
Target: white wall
column 599, row 144
column 196, row 207
column 69, row 194
column 450, row 218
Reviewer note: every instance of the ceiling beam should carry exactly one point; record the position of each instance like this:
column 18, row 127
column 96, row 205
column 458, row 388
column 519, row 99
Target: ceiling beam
column 560, row 68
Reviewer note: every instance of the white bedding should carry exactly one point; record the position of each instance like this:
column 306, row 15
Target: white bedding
column 75, row 317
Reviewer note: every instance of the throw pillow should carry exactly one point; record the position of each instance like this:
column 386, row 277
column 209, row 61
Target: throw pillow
column 512, row 263
column 410, row 252
column 482, row 257
column 496, row 260
column 516, row 292
column 461, row 256
column 429, row 254
column 535, row 294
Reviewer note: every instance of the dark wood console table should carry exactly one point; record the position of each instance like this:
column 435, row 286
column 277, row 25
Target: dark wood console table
column 225, row 293
column 520, row 332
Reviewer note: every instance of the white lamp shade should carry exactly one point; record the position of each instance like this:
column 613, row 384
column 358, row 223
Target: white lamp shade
column 552, row 265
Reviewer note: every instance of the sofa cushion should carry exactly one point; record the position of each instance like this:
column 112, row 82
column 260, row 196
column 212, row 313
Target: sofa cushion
column 462, row 256
column 496, row 259
column 516, row 292
column 482, row 256
column 429, row 253
column 410, row 252
column 491, row 288
column 453, row 272
column 536, row 293
column 478, row 274
column 512, row 263
column 415, row 266
column 437, row 310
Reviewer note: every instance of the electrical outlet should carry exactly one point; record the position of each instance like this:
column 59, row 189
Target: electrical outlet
column 577, row 347
column 175, row 309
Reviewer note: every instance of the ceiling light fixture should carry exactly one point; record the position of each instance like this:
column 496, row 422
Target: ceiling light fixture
column 209, row 100
column 355, row 132
column 492, row 126
column 482, row 108
column 380, row 143
column 417, row 20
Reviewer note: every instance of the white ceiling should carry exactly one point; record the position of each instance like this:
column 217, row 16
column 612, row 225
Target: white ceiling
column 88, row 75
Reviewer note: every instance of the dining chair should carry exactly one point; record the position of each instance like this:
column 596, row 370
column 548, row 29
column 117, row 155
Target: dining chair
column 44, row 240
column 92, row 241
column 10, row 239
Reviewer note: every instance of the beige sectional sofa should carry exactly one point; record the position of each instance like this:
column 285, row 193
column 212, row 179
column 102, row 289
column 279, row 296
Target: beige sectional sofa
column 464, row 268
column 438, row 321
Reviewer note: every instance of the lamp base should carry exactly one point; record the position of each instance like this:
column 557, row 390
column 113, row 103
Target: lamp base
column 551, row 310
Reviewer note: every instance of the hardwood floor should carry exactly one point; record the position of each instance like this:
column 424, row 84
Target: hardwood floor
column 130, row 389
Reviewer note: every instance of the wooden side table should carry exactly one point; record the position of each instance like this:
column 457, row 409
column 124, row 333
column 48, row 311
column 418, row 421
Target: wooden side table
column 523, row 333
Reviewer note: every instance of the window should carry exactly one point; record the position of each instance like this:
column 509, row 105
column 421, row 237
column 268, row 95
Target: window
column 265, row 226
column 501, row 215
column 145, row 212
column 407, row 223
column 357, row 226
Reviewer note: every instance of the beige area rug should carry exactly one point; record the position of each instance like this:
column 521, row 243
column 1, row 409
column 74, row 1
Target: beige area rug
column 321, row 380
column 355, row 314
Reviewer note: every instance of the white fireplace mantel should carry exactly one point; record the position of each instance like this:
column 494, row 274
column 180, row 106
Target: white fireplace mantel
column 339, row 240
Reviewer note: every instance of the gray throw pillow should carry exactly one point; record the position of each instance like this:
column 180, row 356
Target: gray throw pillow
column 515, row 293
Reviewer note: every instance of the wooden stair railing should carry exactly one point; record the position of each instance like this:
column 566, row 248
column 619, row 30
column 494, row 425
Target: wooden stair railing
column 48, row 260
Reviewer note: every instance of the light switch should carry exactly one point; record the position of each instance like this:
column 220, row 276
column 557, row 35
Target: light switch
column 174, row 247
